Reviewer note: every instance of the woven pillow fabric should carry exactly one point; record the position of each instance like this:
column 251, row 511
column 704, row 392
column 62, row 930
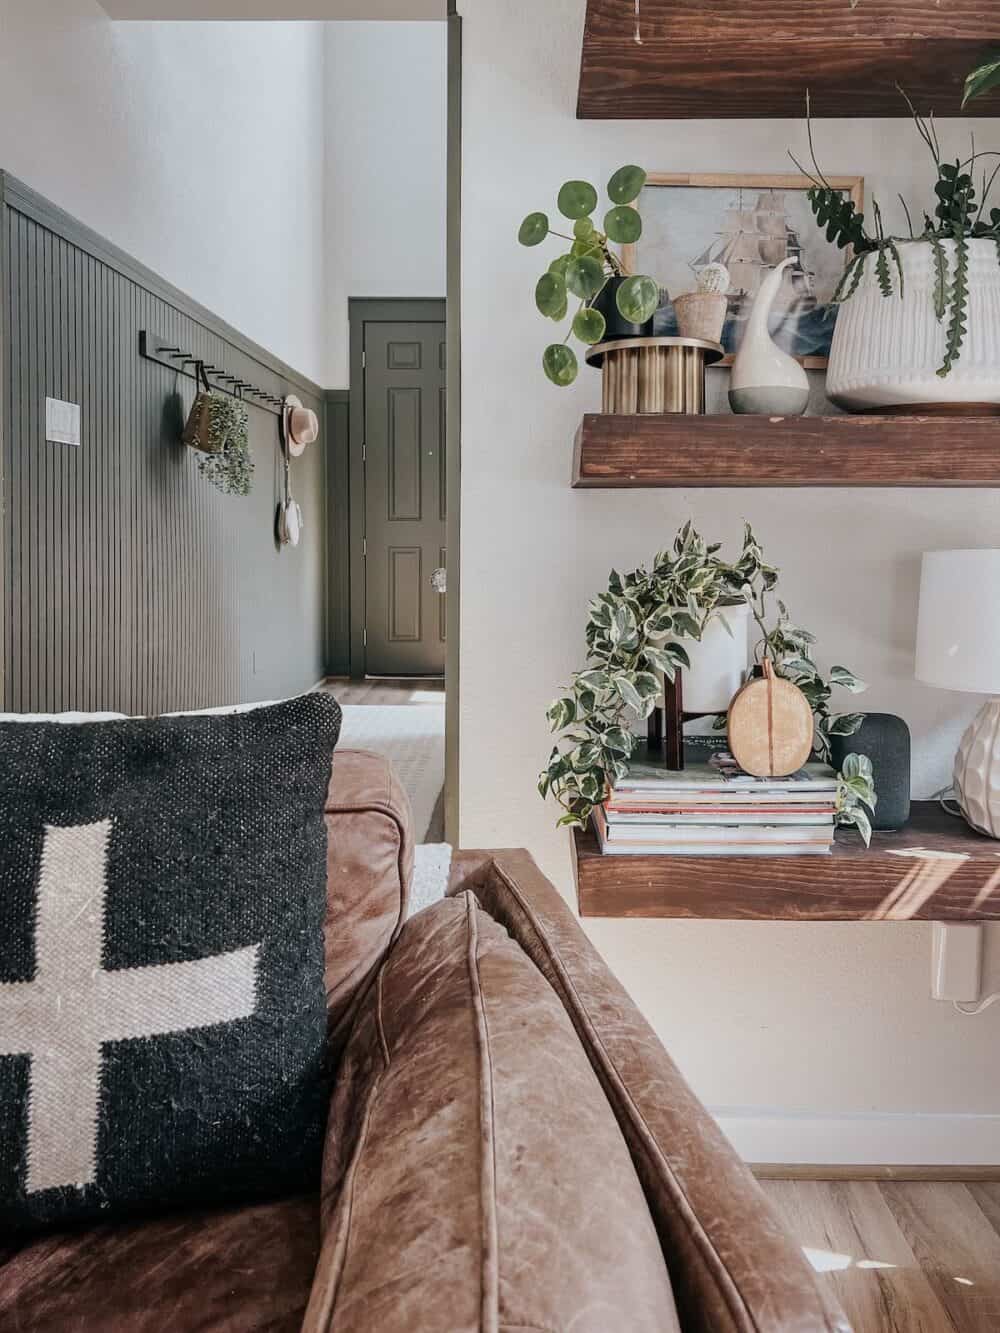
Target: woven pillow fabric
column 162, row 1006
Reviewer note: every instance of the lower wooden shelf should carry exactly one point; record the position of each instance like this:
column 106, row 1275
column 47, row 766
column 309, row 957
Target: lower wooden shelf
column 935, row 869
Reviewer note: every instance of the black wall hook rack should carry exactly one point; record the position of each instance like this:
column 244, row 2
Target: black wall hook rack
column 179, row 359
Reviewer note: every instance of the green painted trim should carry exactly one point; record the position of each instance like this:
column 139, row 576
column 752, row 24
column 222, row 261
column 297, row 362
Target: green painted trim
column 453, row 391
column 22, row 199
column 338, row 542
column 362, row 311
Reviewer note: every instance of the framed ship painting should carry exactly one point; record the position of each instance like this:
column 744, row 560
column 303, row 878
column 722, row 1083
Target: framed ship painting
column 750, row 224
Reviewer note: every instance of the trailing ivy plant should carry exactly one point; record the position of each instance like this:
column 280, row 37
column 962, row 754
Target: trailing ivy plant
column 634, row 632
column 589, row 264
column 959, row 216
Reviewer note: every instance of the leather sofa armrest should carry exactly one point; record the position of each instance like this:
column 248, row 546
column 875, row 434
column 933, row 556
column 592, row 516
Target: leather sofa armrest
column 369, row 868
column 733, row 1267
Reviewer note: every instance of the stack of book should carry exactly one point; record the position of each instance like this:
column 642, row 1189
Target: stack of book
column 715, row 809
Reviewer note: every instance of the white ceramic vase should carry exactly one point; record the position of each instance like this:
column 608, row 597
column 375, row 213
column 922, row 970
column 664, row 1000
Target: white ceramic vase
column 977, row 770
column 764, row 379
column 887, row 349
column 718, row 661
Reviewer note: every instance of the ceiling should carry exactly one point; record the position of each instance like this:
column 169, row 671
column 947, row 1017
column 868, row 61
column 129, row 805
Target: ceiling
column 276, row 9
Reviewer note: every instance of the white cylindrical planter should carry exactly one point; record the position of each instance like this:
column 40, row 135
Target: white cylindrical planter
column 718, row 661
column 886, row 350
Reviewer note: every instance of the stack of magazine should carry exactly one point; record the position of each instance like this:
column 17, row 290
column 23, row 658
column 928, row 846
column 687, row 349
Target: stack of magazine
column 715, row 809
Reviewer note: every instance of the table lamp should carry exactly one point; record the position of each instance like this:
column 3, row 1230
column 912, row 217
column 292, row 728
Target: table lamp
column 958, row 648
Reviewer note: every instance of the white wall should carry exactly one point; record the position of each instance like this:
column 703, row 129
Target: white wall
column 818, row 1042
column 386, row 178
column 196, row 147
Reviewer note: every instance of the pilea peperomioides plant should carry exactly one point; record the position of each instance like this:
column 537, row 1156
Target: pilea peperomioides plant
column 633, row 634
column 589, row 265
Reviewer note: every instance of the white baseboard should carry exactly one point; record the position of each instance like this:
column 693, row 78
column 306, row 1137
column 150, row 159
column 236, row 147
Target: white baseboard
column 857, row 1138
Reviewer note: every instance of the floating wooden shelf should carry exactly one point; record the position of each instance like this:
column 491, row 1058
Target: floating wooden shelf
column 935, row 869
column 727, row 450
column 705, row 59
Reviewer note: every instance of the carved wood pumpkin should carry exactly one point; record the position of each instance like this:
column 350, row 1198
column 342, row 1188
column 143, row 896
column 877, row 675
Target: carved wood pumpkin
column 770, row 726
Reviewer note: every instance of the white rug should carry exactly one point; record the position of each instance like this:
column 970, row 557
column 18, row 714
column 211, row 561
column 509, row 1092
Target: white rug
column 431, row 867
column 412, row 737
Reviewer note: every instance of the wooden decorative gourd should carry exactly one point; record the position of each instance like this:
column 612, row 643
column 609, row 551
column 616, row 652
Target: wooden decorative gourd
column 770, row 726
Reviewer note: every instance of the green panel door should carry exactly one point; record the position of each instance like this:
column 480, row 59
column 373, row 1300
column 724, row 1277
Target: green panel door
column 404, row 498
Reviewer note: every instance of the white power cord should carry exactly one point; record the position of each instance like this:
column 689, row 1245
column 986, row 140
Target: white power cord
column 945, row 795
column 978, row 1008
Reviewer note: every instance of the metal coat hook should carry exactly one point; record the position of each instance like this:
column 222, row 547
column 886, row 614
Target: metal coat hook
column 178, row 359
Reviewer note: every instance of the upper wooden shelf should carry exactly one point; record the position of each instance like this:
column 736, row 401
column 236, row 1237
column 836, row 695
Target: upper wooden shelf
column 742, row 59
column 935, row 869
column 727, row 450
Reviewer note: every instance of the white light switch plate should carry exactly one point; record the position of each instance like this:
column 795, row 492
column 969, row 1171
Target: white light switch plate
column 62, row 422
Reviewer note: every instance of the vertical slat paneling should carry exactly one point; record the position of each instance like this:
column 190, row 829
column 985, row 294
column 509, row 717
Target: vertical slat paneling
column 133, row 585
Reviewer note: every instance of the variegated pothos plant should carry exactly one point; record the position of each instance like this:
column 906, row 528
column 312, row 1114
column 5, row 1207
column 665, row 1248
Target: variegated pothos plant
column 634, row 631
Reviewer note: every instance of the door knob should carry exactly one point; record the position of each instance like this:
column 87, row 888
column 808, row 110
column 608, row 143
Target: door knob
column 439, row 579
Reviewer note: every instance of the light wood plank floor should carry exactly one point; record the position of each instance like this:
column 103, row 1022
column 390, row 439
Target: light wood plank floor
column 386, row 691
column 902, row 1257
column 383, row 691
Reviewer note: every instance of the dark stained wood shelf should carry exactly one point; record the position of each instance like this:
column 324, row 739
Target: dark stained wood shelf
column 935, row 869
column 728, row 450
column 706, row 59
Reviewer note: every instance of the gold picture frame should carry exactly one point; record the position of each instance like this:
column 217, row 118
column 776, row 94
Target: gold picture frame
column 813, row 247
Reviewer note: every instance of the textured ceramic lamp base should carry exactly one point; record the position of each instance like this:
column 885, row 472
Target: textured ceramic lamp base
column 977, row 770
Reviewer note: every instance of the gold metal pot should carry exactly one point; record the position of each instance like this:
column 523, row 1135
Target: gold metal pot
column 654, row 374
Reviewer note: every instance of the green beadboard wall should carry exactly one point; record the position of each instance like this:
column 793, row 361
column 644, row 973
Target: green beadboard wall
column 129, row 583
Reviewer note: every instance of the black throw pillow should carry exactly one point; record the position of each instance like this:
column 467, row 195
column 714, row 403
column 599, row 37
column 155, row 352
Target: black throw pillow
column 162, row 1006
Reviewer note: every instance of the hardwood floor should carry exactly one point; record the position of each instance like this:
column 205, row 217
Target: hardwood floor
column 384, row 691
column 902, row 1257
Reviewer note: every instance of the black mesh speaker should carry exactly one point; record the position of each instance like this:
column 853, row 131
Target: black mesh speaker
column 885, row 739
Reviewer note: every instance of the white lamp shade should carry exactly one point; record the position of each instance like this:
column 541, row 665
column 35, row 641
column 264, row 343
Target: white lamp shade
column 958, row 623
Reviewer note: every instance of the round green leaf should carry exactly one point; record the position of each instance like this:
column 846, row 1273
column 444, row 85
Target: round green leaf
column 533, row 229
column 638, row 299
column 583, row 228
column 626, row 184
column 550, row 296
column 623, row 224
column 560, row 364
column 586, row 245
column 585, row 276
column 559, row 265
column 589, row 325
column 577, row 199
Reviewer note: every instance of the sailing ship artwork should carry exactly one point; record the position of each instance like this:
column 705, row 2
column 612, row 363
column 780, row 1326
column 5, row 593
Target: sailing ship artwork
column 751, row 226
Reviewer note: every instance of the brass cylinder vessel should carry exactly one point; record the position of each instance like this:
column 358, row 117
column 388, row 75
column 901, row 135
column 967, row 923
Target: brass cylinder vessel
column 649, row 375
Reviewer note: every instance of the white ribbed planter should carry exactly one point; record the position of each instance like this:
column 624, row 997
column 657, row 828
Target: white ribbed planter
column 886, row 350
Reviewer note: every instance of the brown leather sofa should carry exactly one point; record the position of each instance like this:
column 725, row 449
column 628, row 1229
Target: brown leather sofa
column 415, row 1227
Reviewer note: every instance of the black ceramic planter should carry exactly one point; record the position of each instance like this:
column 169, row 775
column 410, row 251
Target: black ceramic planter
column 617, row 327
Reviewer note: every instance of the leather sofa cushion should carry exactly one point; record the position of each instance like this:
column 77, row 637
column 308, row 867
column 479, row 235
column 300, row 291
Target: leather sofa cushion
column 475, row 1176
column 243, row 1270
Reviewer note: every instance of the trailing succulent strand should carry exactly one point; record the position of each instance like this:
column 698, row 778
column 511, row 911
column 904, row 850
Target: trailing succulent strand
column 941, row 275
column 959, row 303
